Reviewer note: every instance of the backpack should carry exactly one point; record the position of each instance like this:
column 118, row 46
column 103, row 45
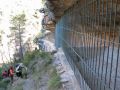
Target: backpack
column 8, row 72
column 20, row 69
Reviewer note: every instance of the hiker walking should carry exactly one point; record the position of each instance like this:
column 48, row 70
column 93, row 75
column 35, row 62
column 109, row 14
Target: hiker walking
column 21, row 70
column 18, row 70
column 11, row 73
column 5, row 74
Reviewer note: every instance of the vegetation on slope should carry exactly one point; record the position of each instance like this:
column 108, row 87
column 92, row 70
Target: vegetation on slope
column 41, row 71
column 54, row 82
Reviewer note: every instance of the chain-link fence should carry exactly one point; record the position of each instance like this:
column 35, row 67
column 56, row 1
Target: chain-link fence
column 89, row 33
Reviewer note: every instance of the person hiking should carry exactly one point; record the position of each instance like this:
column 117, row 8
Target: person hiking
column 21, row 70
column 18, row 70
column 11, row 73
column 5, row 74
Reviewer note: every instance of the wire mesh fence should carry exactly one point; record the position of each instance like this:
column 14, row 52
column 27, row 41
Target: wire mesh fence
column 89, row 34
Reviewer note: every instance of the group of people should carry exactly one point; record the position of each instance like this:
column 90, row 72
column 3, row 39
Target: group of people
column 9, row 73
column 19, row 71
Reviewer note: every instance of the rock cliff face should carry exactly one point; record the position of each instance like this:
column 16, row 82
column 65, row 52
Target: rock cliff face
column 56, row 9
column 59, row 6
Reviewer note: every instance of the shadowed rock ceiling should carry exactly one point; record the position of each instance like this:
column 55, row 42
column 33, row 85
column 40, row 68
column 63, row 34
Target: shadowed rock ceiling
column 58, row 7
column 54, row 9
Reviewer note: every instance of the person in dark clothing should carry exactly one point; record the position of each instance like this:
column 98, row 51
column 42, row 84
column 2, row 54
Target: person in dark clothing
column 19, row 73
column 19, row 70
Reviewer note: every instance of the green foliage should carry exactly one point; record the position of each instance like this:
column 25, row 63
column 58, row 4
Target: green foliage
column 28, row 57
column 0, row 73
column 54, row 82
column 45, row 55
column 18, row 19
column 36, row 54
column 3, row 84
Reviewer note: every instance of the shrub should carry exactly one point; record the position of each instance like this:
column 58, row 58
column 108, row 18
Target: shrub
column 0, row 73
column 47, row 57
column 54, row 82
column 3, row 84
column 28, row 57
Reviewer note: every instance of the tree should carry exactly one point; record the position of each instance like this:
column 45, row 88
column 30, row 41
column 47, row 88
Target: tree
column 18, row 23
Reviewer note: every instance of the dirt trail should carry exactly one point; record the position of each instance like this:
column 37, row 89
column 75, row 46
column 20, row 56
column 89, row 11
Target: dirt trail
column 29, row 85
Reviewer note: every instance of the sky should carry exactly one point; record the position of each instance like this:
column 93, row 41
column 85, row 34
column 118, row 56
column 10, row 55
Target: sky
column 13, row 7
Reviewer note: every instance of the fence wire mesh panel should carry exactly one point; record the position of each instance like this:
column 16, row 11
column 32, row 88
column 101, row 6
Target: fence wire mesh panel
column 89, row 33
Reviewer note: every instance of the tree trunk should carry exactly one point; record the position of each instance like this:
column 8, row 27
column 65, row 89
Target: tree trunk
column 21, row 51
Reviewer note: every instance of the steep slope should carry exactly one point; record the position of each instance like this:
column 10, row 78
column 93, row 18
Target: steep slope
column 41, row 75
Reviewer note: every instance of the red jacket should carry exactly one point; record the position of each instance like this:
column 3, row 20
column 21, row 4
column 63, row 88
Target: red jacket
column 11, row 71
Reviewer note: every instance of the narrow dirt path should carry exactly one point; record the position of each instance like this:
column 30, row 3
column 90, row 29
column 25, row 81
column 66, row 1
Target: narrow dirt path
column 29, row 85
